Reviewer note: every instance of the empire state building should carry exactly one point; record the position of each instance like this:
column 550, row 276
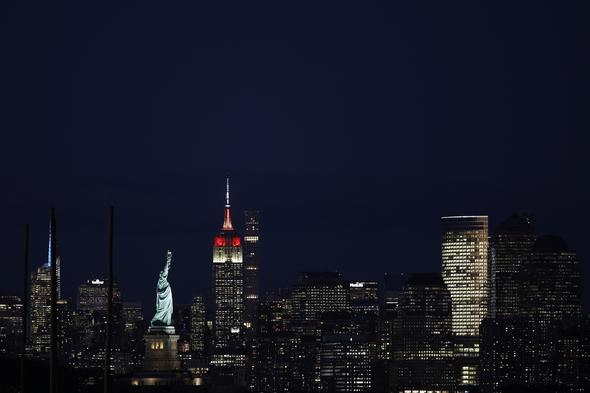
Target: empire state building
column 228, row 284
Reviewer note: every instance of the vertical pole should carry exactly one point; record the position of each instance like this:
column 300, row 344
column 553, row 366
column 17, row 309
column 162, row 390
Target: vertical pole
column 25, row 309
column 54, row 349
column 107, row 356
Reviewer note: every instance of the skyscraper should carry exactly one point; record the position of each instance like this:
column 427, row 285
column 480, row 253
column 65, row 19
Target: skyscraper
column 93, row 295
column 423, row 346
column 465, row 273
column 314, row 294
column 510, row 243
column 198, row 324
column 251, row 265
column 228, row 283
column 40, row 303
column 551, row 304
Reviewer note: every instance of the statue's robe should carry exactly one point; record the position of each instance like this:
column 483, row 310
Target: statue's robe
column 163, row 315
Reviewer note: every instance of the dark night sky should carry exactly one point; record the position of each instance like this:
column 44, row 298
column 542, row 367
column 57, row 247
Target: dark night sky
column 352, row 127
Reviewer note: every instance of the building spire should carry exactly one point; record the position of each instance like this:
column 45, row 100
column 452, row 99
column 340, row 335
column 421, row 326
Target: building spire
column 227, row 192
column 49, row 246
column 227, row 226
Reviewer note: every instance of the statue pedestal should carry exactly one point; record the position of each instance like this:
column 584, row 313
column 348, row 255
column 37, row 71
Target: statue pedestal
column 161, row 349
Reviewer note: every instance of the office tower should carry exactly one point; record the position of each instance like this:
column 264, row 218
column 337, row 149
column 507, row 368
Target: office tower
column 11, row 324
column 423, row 346
column 251, row 266
column 345, row 355
column 40, row 309
column 198, row 325
column 228, row 359
column 64, row 328
column 272, row 352
column 509, row 244
column 228, row 283
column 93, row 295
column 133, row 329
column 364, row 298
column 465, row 273
column 275, row 313
column 551, row 304
column 551, row 282
column 314, row 294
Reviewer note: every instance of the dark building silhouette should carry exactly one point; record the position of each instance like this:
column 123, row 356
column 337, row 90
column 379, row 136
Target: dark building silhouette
column 272, row 354
column 510, row 243
column 542, row 346
column 345, row 356
column 251, row 266
column 423, row 346
column 314, row 294
column 198, row 325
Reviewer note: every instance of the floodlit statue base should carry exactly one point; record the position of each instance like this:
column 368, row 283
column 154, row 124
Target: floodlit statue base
column 161, row 349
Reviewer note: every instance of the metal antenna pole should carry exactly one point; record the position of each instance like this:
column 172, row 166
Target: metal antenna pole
column 25, row 309
column 107, row 356
column 53, row 357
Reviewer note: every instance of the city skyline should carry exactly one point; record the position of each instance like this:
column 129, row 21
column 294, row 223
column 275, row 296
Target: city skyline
column 285, row 280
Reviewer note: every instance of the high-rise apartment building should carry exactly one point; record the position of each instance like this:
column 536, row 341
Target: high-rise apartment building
column 510, row 243
column 423, row 346
column 251, row 266
column 465, row 273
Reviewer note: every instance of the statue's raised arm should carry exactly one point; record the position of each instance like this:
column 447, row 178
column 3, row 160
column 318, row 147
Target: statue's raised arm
column 163, row 316
column 168, row 263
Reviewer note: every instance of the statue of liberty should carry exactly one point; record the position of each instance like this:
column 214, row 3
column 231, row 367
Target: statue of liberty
column 163, row 315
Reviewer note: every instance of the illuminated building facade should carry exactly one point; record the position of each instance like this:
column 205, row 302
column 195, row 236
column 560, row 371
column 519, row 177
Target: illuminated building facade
column 510, row 243
column 198, row 325
column 423, row 346
column 314, row 294
column 364, row 298
column 251, row 266
column 345, row 353
column 40, row 309
column 93, row 295
column 465, row 273
column 11, row 324
column 228, row 358
column 228, row 283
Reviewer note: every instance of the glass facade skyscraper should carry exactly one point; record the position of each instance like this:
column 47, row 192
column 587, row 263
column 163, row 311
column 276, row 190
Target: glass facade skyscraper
column 465, row 272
